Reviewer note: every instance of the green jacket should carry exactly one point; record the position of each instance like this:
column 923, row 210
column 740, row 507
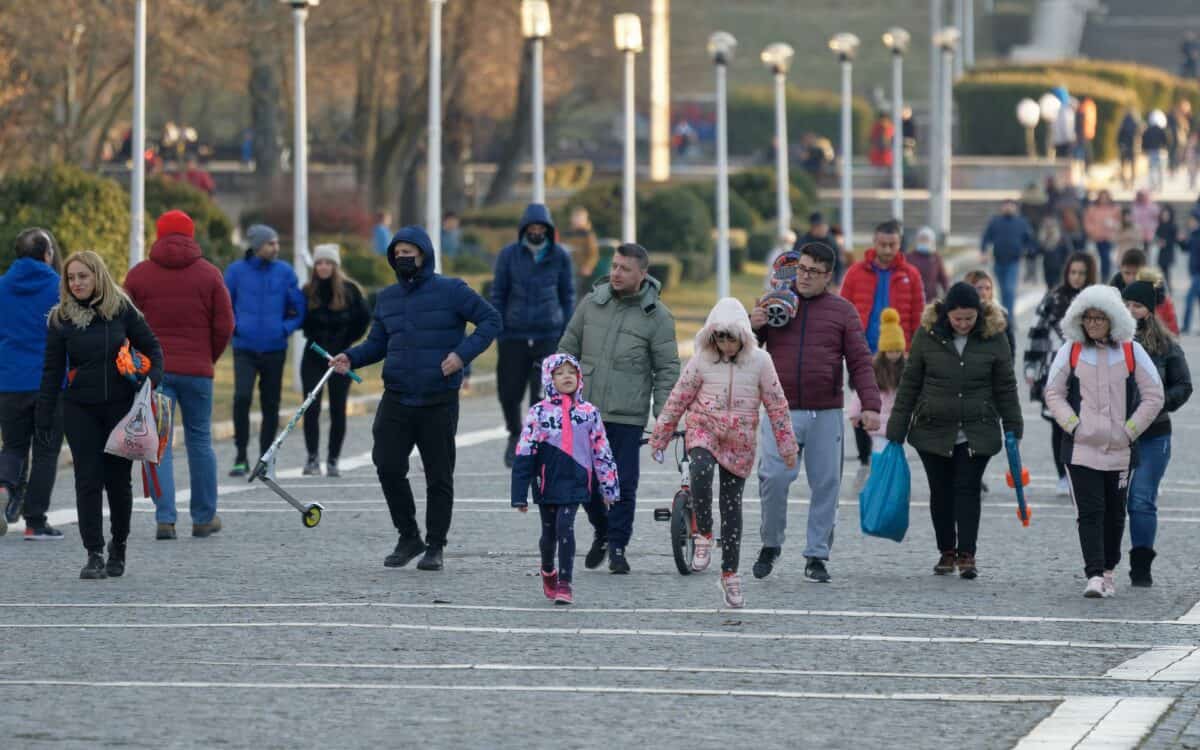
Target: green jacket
column 627, row 348
column 942, row 393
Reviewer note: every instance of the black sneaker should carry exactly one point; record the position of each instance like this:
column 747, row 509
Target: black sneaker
column 240, row 468
column 12, row 504
column 617, row 564
column 766, row 561
column 596, row 554
column 432, row 559
column 94, row 570
column 312, row 468
column 510, row 451
column 43, row 533
column 406, row 549
column 116, row 560
column 331, row 469
column 815, row 571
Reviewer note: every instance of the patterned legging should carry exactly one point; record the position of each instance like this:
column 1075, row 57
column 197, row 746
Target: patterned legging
column 558, row 534
column 702, row 466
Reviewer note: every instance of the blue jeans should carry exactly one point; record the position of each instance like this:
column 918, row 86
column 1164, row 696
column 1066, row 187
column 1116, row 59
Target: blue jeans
column 1008, row 276
column 194, row 395
column 1193, row 295
column 1104, row 249
column 1153, row 456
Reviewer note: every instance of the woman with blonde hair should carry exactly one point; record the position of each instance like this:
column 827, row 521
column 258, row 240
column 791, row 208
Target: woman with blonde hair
column 87, row 329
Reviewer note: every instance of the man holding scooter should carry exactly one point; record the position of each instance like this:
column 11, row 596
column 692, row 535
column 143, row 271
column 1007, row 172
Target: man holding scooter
column 419, row 326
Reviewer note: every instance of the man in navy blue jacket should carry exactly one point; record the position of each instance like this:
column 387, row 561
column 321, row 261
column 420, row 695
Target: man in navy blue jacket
column 419, row 330
column 1008, row 237
column 534, row 292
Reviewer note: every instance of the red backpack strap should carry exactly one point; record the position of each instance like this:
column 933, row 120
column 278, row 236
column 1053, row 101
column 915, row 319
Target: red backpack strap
column 1130, row 361
column 1076, row 350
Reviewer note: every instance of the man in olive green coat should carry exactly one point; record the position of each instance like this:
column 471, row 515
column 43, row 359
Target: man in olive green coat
column 624, row 338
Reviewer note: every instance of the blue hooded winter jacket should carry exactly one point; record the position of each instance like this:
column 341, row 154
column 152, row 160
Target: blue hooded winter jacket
column 1010, row 238
column 535, row 296
column 27, row 292
column 267, row 304
column 418, row 322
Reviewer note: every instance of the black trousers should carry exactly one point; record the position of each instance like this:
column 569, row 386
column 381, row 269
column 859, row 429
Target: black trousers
column 1056, row 441
column 431, row 429
column 955, row 488
column 33, row 481
column 87, row 427
column 312, row 368
column 1099, row 498
column 702, row 465
column 267, row 367
column 519, row 367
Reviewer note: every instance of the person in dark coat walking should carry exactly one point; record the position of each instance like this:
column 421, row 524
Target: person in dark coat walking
column 419, row 330
column 534, row 292
column 87, row 329
column 28, row 290
column 337, row 317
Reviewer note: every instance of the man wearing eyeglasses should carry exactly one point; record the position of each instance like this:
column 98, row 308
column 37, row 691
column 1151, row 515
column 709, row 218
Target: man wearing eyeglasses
column 809, row 352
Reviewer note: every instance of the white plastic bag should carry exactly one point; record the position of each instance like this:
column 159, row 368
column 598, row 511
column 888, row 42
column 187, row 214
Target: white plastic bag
column 136, row 436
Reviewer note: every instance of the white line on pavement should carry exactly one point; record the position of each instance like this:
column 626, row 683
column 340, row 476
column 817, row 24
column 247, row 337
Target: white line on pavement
column 1150, row 664
column 1085, row 722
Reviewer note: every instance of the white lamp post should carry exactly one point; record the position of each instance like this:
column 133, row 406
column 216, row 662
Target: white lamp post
column 1028, row 114
column 969, row 35
column 896, row 40
column 627, row 31
column 947, row 40
column 845, row 46
column 1049, row 105
column 721, row 46
column 137, row 187
column 660, row 90
column 935, row 87
column 535, row 25
column 778, row 58
column 433, row 167
column 960, row 20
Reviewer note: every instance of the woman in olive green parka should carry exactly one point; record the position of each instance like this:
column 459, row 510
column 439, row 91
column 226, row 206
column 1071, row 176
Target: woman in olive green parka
column 957, row 393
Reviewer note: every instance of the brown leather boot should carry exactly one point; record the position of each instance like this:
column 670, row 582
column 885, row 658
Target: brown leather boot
column 945, row 564
column 966, row 566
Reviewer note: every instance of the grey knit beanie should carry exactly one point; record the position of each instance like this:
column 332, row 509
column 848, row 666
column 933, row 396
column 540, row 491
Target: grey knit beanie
column 260, row 234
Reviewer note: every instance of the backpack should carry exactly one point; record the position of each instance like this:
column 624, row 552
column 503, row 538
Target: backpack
column 1132, row 394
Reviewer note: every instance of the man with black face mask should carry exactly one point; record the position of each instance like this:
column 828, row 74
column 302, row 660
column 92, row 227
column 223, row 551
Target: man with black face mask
column 419, row 325
column 534, row 291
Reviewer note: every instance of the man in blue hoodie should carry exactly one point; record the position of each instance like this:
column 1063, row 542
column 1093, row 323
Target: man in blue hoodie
column 533, row 290
column 27, row 292
column 419, row 330
column 268, row 307
column 1008, row 237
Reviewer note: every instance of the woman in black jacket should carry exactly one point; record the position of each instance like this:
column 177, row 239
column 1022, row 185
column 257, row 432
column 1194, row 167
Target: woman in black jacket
column 86, row 330
column 1167, row 237
column 1046, row 338
column 337, row 317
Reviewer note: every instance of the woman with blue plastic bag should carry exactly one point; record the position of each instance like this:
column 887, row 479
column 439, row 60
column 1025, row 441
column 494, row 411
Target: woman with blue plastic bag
column 957, row 392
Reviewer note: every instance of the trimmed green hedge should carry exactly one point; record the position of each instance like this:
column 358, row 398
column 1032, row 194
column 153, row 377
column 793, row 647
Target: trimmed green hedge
column 741, row 214
column 676, row 221
column 1155, row 88
column 757, row 186
column 752, row 117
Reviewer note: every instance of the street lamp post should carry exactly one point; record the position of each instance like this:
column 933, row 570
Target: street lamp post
column 969, row 35
column 1049, row 105
column 778, row 58
column 960, row 20
column 433, row 167
column 1028, row 114
column 660, row 90
column 845, row 46
column 627, row 31
column 137, row 188
column 721, row 46
column 936, row 8
column 897, row 39
column 535, row 25
column 947, row 40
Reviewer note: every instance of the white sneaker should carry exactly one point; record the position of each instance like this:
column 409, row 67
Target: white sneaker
column 731, row 585
column 1110, row 585
column 1064, row 488
column 1095, row 588
column 702, row 553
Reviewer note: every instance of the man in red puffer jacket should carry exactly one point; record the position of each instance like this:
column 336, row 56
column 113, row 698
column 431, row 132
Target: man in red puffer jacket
column 185, row 301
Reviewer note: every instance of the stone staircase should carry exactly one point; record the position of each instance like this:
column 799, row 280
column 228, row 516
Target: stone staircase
column 1144, row 31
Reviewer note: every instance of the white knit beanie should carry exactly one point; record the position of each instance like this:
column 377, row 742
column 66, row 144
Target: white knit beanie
column 327, row 252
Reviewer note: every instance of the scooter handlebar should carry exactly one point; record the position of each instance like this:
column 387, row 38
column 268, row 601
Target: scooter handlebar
column 317, row 348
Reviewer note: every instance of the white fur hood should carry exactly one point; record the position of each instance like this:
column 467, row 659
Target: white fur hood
column 729, row 314
column 1106, row 299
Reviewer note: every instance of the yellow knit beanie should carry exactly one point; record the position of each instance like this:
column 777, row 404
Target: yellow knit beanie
column 891, row 336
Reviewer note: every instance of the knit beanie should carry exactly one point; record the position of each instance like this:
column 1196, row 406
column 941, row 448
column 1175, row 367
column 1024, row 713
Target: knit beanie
column 891, row 335
column 328, row 252
column 259, row 235
column 962, row 295
column 175, row 222
column 1142, row 292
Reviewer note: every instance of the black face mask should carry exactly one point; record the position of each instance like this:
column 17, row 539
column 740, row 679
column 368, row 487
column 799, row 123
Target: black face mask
column 406, row 267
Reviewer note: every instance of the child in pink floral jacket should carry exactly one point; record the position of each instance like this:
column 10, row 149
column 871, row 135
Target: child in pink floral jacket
column 720, row 391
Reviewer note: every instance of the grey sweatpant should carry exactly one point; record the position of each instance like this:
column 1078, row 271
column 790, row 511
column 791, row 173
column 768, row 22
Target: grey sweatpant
column 819, row 434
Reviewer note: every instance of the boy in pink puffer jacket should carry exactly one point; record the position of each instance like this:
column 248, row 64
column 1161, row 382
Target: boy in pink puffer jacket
column 721, row 390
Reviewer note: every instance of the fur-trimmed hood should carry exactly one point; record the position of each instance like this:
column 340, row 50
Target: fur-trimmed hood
column 1105, row 299
column 729, row 314
column 991, row 323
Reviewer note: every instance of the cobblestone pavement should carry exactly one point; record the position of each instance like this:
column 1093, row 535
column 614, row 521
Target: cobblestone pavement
column 270, row 635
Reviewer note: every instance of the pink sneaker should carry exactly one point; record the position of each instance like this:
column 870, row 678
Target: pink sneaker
column 563, row 594
column 731, row 586
column 701, row 552
column 550, row 584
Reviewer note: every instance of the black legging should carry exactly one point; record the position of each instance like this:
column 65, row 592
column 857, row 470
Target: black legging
column 702, row 465
column 87, row 427
column 955, row 488
column 558, row 535
column 1056, row 440
column 312, row 368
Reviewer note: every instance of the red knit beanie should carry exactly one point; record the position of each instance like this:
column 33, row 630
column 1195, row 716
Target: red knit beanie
column 175, row 222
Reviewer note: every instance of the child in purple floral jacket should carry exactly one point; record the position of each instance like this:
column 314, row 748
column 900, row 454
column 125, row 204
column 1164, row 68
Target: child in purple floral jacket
column 562, row 451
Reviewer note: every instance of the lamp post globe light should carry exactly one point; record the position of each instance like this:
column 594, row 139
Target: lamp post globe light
column 778, row 58
column 896, row 39
column 947, row 41
column 721, row 46
column 535, row 26
column 1028, row 114
column 433, row 166
column 1049, row 105
column 845, row 46
column 137, row 187
column 627, row 34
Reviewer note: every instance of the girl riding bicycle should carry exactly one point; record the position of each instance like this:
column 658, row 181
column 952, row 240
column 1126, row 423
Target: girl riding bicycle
column 720, row 391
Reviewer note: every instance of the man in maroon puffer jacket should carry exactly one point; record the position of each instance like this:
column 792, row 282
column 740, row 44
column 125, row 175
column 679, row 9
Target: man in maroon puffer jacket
column 808, row 353
column 185, row 301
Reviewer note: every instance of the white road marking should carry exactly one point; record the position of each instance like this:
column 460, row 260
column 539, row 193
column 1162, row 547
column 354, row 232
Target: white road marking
column 1150, row 664
column 1085, row 722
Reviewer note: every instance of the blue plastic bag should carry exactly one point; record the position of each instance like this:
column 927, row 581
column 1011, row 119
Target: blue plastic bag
column 883, row 502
